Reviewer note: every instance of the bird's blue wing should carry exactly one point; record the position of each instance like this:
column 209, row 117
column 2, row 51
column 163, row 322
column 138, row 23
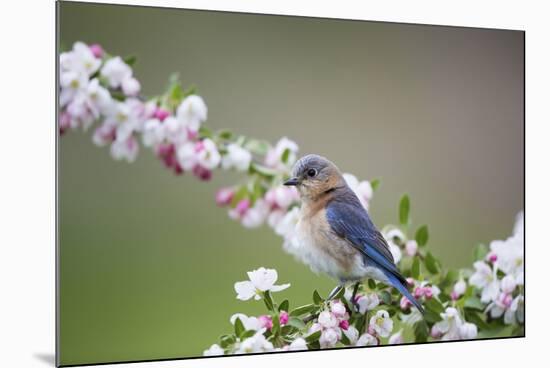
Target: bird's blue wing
column 350, row 221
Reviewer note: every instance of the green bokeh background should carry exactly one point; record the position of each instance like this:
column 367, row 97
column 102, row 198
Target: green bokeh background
column 148, row 262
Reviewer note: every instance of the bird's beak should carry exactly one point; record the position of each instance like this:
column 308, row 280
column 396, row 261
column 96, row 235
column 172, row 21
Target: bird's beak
column 292, row 182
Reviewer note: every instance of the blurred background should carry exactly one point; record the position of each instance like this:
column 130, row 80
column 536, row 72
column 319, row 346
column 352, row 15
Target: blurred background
column 147, row 260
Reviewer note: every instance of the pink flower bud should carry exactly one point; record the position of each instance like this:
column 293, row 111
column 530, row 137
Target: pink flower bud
column 178, row 170
column 242, row 207
column 164, row 150
column 202, row 173
column 344, row 325
column 199, row 146
column 161, row 114
column 428, row 293
column 418, row 292
column 411, row 247
column 492, row 257
column 265, row 321
column 64, row 122
column 97, row 50
column 224, row 196
column 454, row 295
column 283, row 318
column 405, row 303
column 410, row 281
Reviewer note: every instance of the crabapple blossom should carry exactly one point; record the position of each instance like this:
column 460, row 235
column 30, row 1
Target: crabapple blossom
column 449, row 327
column 261, row 280
column 329, row 337
column 213, row 350
column 338, row 309
column 265, row 322
column 381, row 323
column 208, row 155
column 367, row 302
column 363, row 190
column 274, row 156
column 298, row 344
column 192, row 112
column 367, row 339
column 411, row 247
column 236, row 158
column 467, row 331
column 396, row 338
column 131, row 86
column 224, row 196
column 127, row 149
column 255, row 344
column 459, row 288
column 249, row 323
column 352, row 334
column 116, row 71
column 283, row 318
column 485, row 279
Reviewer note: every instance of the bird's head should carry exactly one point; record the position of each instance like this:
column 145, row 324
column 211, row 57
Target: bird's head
column 314, row 175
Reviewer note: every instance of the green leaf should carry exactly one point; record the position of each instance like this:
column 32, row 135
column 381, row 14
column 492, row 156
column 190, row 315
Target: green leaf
column 480, row 252
column 474, row 303
column 239, row 327
column 225, row 134
column 404, row 209
column 420, row 331
column 304, row 309
column 434, row 305
column 130, row 60
column 317, row 298
column 385, row 296
column 247, row 334
column 204, row 132
column 415, row 268
column 296, row 322
column 262, row 170
column 227, row 340
column 450, row 278
column 431, row 263
column 268, row 300
column 476, row 318
column 421, row 236
column 284, row 306
column 313, row 337
column 276, row 324
column 285, row 156
column 375, row 184
column 372, row 284
column 340, row 293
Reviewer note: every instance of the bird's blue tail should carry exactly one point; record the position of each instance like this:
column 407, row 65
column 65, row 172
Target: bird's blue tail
column 396, row 283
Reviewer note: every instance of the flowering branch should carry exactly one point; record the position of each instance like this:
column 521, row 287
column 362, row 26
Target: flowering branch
column 99, row 90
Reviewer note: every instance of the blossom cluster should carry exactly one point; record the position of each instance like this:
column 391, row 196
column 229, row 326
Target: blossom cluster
column 499, row 277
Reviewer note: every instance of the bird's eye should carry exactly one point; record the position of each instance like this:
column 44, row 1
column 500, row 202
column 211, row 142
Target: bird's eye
column 311, row 173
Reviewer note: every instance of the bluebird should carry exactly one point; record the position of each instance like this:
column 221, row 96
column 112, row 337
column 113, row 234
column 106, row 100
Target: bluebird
column 335, row 232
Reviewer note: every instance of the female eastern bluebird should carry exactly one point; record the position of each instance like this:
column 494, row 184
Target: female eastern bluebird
column 335, row 232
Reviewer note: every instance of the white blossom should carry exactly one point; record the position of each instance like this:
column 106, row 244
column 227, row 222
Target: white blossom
column 249, row 323
column 214, row 350
column 115, row 71
column 327, row 320
column 298, row 344
column 255, row 344
column 467, row 331
column 153, row 132
column 352, row 334
column 366, row 339
column 367, row 302
column 236, row 158
column 329, row 337
column 274, row 156
column 449, row 326
column 485, row 279
column 208, row 156
column 261, row 280
column 363, row 190
column 192, row 112
column 381, row 323
column 130, row 86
